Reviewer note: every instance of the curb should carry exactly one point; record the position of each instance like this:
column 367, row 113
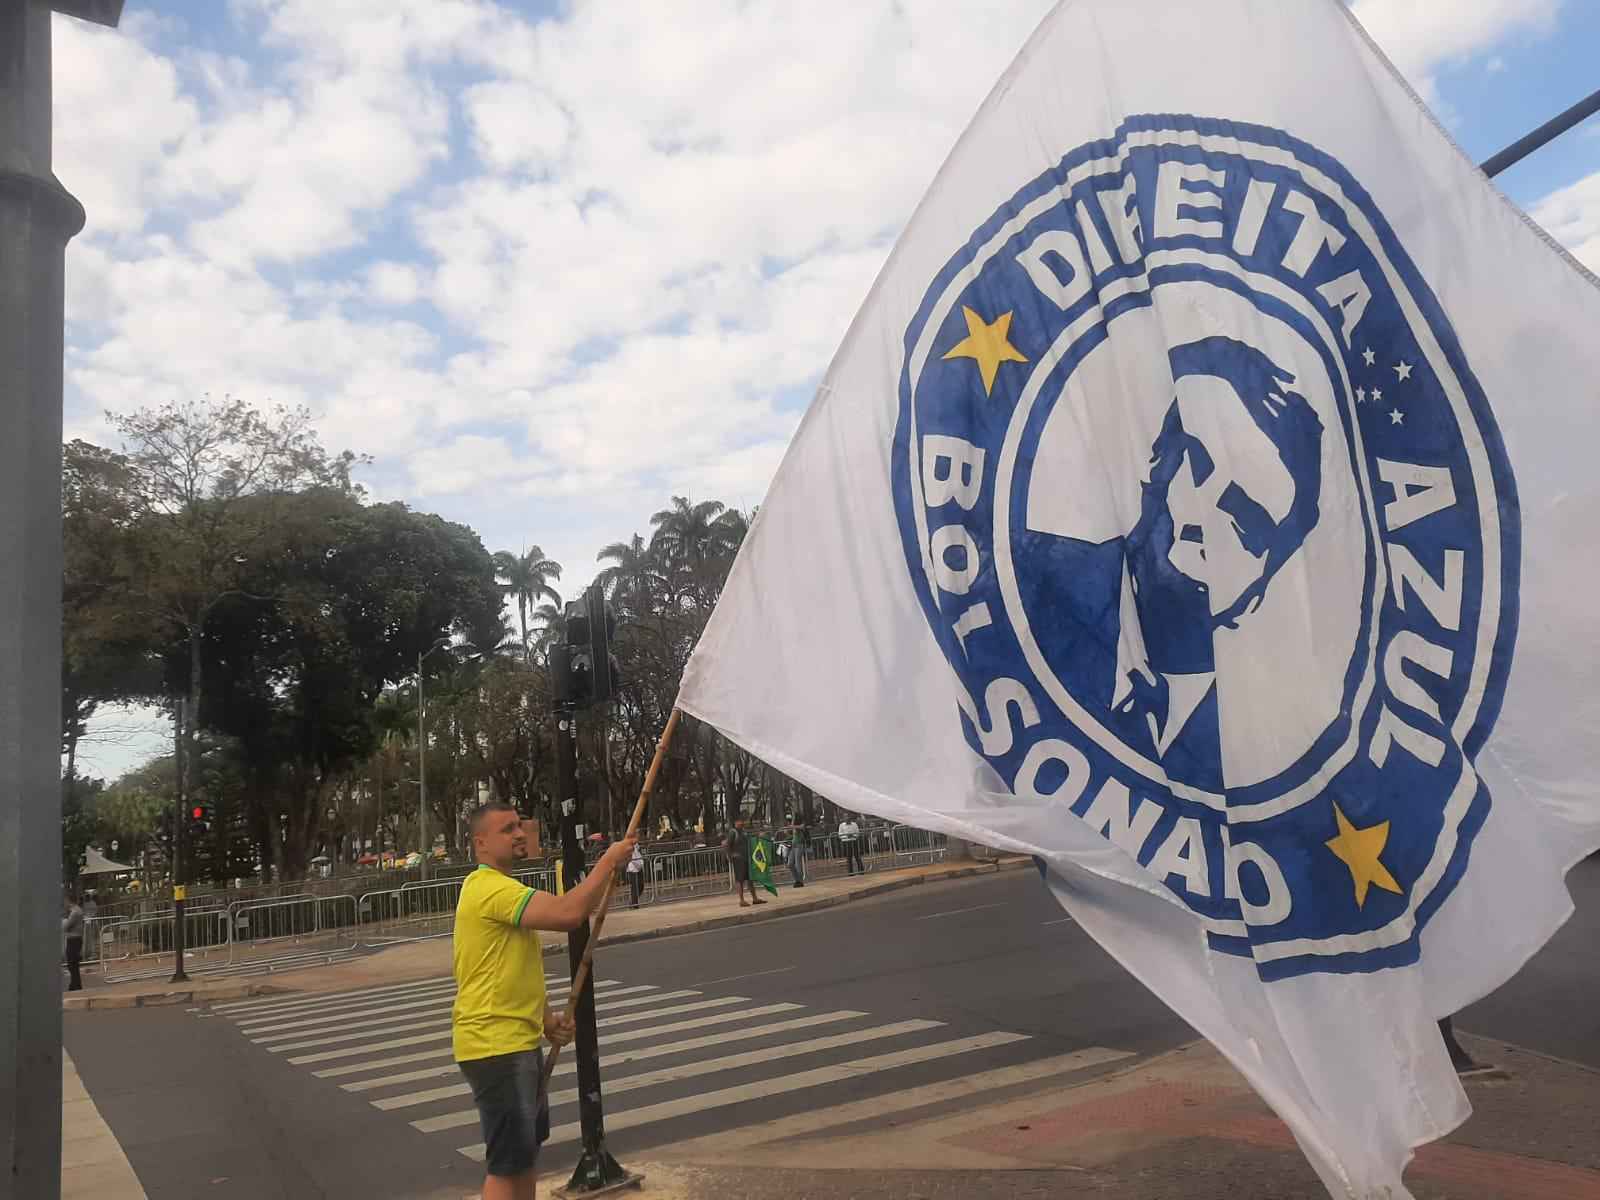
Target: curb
column 205, row 994
column 163, row 999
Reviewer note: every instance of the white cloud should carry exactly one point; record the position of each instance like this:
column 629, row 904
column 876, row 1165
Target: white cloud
column 120, row 111
column 393, row 283
column 1572, row 215
column 1421, row 36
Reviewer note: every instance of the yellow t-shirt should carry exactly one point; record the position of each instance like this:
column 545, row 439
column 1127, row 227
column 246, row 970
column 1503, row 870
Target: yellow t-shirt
column 499, row 969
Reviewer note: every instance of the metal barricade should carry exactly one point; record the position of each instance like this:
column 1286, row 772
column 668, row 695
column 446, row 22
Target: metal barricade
column 915, row 847
column 264, row 931
column 134, row 947
column 685, row 873
column 827, row 858
column 411, row 913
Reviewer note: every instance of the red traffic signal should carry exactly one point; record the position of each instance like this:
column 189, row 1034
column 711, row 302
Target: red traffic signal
column 197, row 812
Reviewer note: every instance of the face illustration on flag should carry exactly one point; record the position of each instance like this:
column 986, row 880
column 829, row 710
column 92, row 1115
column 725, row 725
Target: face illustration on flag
column 1214, row 526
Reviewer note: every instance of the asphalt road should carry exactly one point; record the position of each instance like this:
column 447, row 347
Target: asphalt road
column 204, row 1111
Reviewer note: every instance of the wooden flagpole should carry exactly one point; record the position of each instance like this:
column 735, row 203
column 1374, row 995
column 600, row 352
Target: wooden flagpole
column 581, row 979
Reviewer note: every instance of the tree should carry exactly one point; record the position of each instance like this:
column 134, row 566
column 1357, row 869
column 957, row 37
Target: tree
column 209, row 480
column 525, row 578
column 690, row 546
column 107, row 651
column 359, row 591
column 633, row 577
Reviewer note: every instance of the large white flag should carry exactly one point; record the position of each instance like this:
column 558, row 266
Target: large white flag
column 1204, row 501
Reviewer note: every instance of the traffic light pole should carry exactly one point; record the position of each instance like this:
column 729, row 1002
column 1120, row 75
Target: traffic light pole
column 180, row 835
column 596, row 1171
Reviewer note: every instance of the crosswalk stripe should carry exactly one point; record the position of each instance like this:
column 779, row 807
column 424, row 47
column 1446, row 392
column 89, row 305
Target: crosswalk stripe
column 295, row 1001
column 670, row 1011
column 708, row 1066
column 356, row 1016
column 776, row 1086
column 436, row 1035
column 390, row 1026
column 728, row 1141
column 348, row 1001
column 249, row 1020
column 611, row 1060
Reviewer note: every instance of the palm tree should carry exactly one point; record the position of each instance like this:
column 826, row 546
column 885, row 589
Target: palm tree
column 527, row 577
column 686, row 538
column 729, row 531
column 633, row 575
column 549, row 618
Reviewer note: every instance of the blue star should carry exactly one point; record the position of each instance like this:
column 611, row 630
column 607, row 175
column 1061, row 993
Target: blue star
column 1361, row 395
column 1368, row 356
column 1396, row 417
column 1403, row 370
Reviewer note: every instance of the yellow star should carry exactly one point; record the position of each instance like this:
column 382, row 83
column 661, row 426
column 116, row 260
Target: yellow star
column 989, row 344
column 1360, row 848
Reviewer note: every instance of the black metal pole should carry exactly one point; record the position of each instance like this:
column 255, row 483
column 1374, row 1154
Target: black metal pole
column 180, row 836
column 1548, row 132
column 596, row 1169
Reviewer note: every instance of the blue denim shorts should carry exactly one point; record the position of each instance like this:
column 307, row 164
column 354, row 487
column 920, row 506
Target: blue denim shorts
column 512, row 1108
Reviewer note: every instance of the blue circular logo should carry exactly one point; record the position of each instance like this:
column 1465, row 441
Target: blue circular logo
column 1212, row 522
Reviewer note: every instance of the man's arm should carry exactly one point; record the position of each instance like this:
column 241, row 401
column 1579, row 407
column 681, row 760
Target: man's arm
column 561, row 914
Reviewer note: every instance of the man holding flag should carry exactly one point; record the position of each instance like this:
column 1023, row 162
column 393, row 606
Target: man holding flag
column 1207, row 485
column 500, row 1013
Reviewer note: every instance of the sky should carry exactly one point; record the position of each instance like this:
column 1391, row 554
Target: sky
column 552, row 263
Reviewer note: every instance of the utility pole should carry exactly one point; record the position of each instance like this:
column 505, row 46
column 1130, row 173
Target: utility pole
column 180, row 836
column 37, row 219
column 422, row 775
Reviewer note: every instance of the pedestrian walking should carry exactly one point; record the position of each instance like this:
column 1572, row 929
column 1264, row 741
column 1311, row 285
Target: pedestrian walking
column 850, row 840
column 72, row 934
column 737, row 844
column 501, row 1011
column 636, row 875
column 799, row 849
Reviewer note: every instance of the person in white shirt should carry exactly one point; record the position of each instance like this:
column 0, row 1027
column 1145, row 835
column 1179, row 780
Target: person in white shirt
column 850, row 840
column 636, row 874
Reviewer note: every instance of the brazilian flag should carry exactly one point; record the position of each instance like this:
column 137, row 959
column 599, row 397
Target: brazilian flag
column 761, row 857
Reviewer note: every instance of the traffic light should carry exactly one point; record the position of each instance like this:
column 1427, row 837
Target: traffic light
column 199, row 819
column 583, row 670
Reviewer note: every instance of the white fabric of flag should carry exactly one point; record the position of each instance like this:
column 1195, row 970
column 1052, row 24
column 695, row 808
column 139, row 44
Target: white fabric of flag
column 1203, row 502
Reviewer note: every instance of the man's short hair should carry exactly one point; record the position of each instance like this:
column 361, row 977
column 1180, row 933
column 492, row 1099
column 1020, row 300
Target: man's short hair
column 483, row 812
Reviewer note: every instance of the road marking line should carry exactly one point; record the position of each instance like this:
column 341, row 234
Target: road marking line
column 295, row 1001
column 251, row 1020
column 385, row 1027
column 611, row 1060
column 956, row 912
column 311, row 1008
column 629, row 1083
column 370, row 1014
column 1059, row 921
column 654, row 1031
column 777, row 1086
column 752, row 975
column 962, row 1086
column 302, row 1006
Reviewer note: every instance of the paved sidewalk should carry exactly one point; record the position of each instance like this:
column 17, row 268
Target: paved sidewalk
column 93, row 1166
column 1181, row 1126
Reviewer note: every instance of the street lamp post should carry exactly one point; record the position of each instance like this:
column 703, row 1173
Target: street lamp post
column 422, row 760
column 37, row 219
